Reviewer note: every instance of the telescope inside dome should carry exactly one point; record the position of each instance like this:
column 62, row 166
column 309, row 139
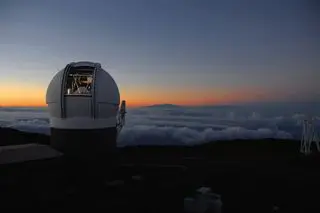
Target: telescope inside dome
column 79, row 81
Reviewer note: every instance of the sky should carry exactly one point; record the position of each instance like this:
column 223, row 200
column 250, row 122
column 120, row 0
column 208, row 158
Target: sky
column 189, row 52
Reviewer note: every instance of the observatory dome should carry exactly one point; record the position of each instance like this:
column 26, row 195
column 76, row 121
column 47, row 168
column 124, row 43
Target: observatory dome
column 83, row 96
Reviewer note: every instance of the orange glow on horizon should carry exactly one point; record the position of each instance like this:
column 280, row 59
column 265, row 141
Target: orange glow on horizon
column 21, row 95
column 29, row 96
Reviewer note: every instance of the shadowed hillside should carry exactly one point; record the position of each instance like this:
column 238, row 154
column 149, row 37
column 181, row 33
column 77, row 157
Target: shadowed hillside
column 10, row 136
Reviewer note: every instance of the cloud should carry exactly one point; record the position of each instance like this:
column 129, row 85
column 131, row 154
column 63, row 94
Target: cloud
column 154, row 135
column 37, row 125
column 27, row 119
column 255, row 116
column 180, row 126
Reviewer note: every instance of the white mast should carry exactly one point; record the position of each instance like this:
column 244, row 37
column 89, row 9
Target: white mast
column 309, row 135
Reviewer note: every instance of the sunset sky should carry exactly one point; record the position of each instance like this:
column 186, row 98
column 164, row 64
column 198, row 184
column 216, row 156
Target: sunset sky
column 191, row 52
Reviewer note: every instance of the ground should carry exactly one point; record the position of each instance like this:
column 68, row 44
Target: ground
column 251, row 176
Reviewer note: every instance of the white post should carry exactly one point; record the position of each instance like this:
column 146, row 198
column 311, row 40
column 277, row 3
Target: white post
column 309, row 135
column 302, row 142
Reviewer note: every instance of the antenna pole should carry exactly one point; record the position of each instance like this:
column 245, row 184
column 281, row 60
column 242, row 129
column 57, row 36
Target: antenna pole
column 121, row 116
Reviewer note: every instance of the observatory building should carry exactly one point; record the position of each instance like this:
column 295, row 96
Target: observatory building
column 85, row 117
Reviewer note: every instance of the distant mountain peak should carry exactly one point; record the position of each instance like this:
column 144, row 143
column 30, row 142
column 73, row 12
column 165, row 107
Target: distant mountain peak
column 164, row 106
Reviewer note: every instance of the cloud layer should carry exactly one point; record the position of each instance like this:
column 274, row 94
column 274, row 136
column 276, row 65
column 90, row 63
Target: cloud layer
column 181, row 126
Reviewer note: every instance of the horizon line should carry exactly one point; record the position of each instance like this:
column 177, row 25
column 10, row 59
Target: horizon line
column 184, row 105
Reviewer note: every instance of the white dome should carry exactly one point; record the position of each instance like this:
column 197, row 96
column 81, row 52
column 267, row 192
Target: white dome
column 83, row 95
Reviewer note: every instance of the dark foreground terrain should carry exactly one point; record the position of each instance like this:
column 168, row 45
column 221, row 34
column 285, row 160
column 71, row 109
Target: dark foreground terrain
column 250, row 176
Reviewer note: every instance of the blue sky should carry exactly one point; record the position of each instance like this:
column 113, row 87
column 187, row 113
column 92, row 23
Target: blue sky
column 160, row 46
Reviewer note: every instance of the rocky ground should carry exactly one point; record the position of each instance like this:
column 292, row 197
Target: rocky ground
column 250, row 176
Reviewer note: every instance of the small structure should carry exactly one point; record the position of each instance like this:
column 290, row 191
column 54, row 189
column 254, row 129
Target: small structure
column 204, row 202
column 83, row 102
column 309, row 135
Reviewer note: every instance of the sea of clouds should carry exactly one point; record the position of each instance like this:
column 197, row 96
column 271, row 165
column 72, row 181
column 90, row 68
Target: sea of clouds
column 172, row 125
